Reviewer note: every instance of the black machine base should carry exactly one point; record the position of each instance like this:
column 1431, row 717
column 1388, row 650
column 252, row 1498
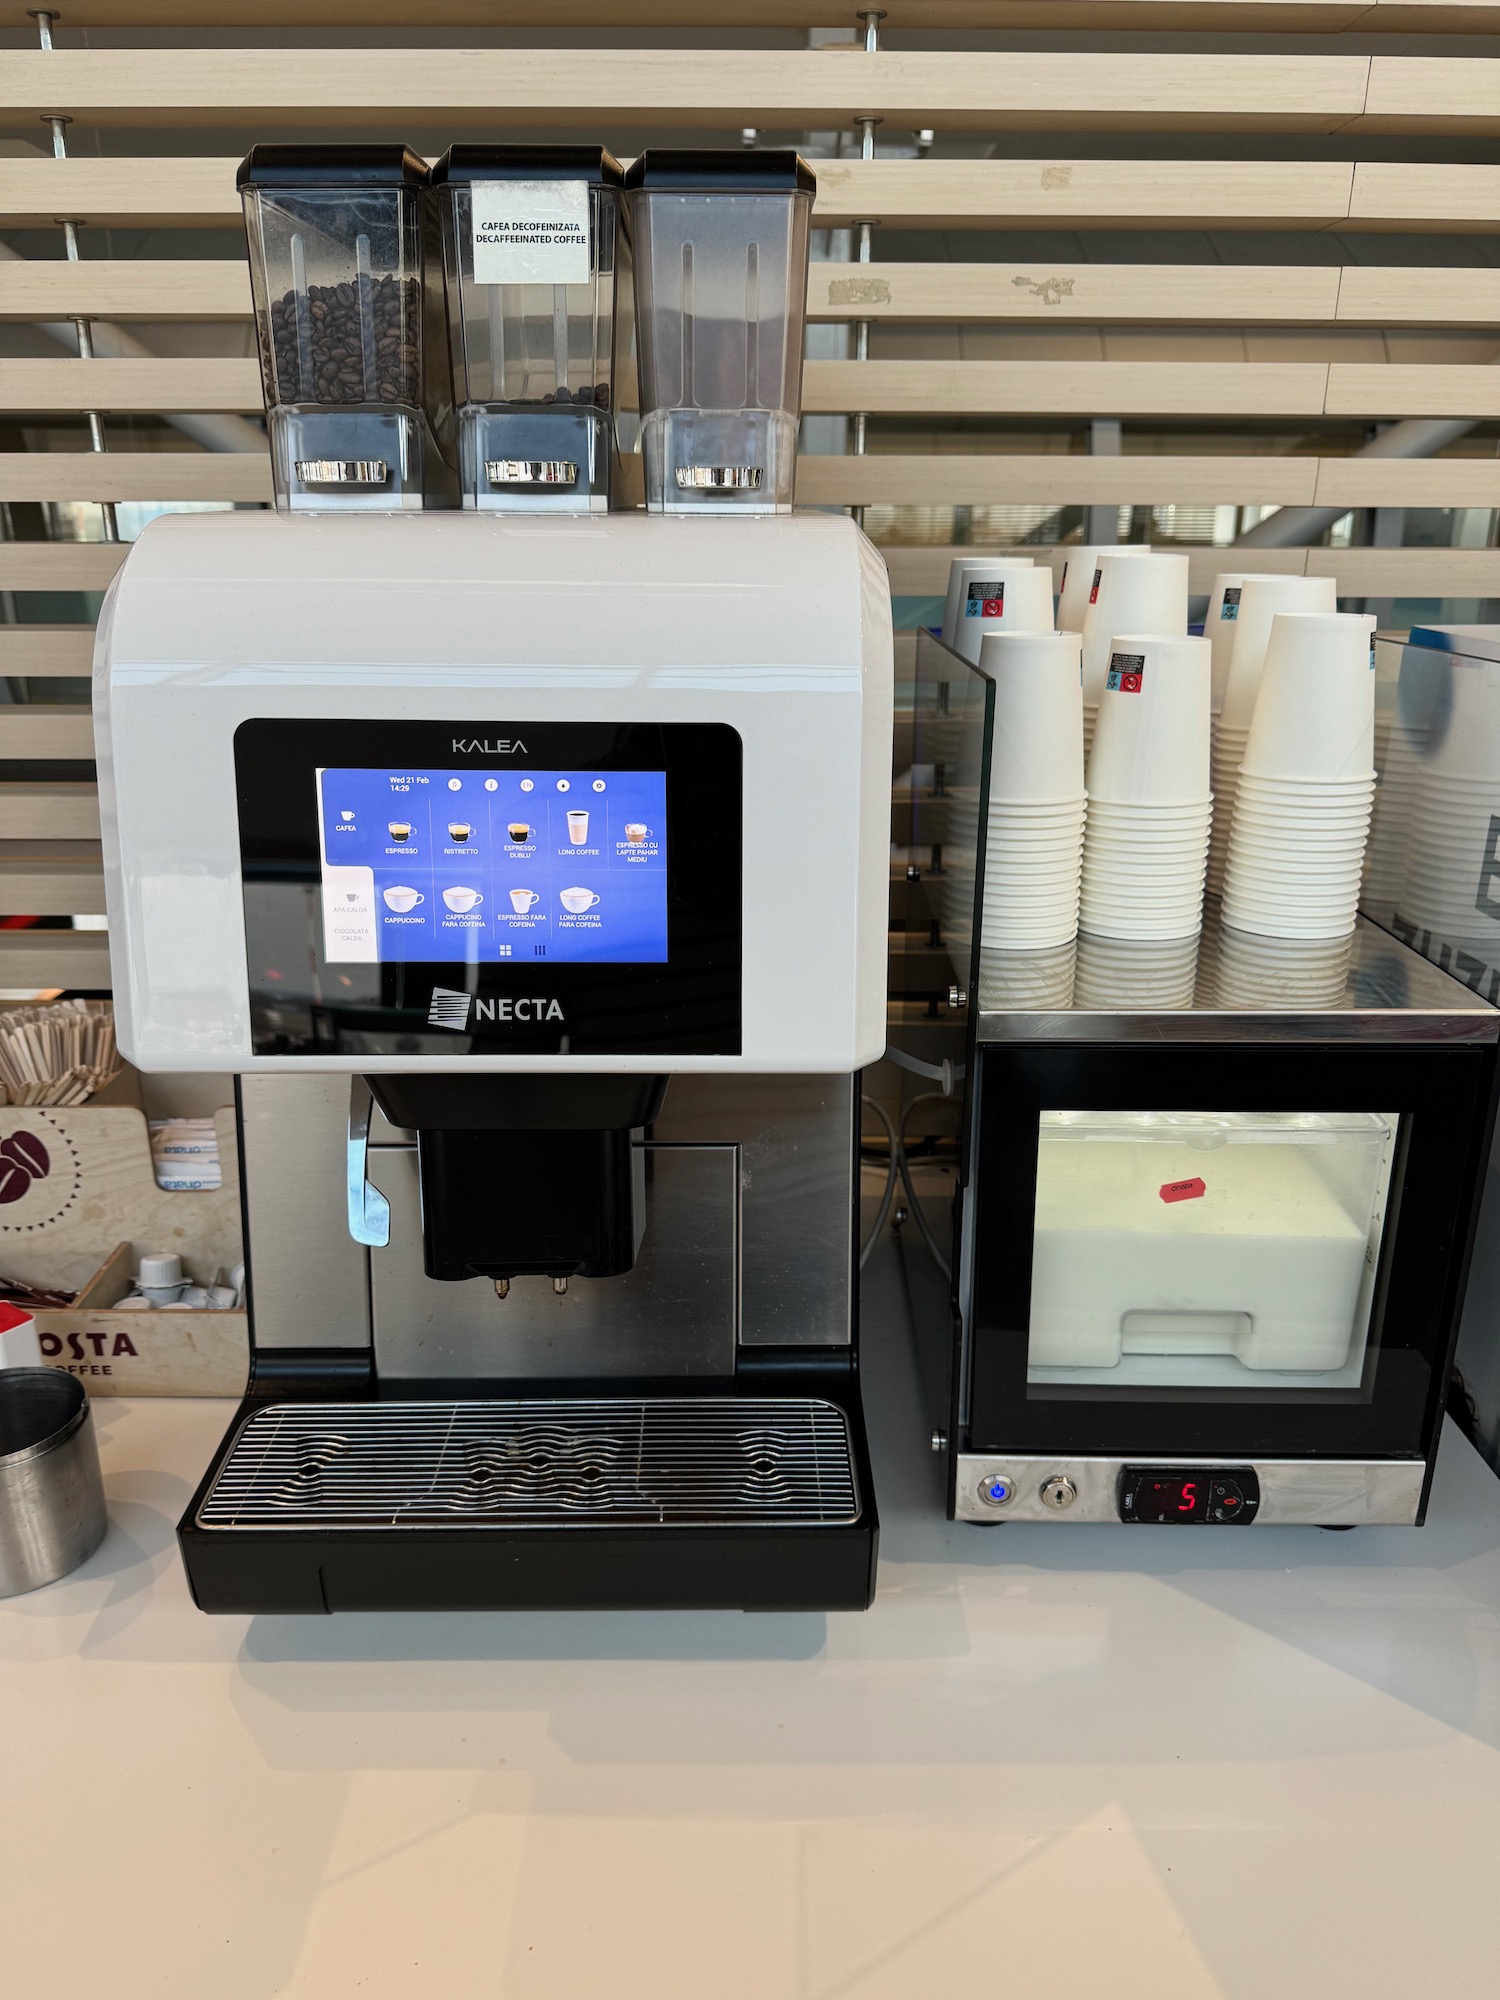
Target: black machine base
column 749, row 1502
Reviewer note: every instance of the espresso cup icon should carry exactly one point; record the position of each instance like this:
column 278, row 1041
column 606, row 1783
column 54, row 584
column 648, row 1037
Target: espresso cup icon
column 399, row 829
column 521, row 900
column 519, row 832
column 402, row 898
column 459, row 830
column 461, row 901
column 578, row 900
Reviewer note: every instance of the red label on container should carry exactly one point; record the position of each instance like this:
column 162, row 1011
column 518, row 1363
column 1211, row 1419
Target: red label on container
column 1182, row 1190
column 1094, row 586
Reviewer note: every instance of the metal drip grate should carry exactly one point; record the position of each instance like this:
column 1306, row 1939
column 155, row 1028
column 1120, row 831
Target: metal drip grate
column 688, row 1462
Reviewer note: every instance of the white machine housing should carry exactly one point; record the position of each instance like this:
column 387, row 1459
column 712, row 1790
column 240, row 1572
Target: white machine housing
column 778, row 627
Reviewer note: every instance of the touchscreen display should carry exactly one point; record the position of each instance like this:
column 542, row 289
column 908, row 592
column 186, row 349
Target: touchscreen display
column 484, row 865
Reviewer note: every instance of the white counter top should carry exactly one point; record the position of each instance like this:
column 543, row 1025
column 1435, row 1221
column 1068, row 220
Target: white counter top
column 1051, row 1759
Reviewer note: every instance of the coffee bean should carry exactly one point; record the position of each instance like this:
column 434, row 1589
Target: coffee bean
column 14, row 1181
column 334, row 331
column 25, row 1149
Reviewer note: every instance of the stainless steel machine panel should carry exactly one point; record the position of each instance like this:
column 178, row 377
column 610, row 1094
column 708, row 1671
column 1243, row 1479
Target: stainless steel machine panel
column 672, row 1315
column 307, row 1276
column 796, row 1139
column 1327, row 1493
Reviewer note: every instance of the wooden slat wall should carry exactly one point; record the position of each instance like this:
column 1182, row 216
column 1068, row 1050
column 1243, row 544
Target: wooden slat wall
column 1316, row 350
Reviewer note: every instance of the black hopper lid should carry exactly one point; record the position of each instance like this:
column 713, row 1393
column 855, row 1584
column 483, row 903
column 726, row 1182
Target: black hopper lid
column 462, row 164
column 694, row 170
column 332, row 166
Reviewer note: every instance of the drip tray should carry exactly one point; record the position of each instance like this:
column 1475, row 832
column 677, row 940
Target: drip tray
column 488, row 1503
column 661, row 1461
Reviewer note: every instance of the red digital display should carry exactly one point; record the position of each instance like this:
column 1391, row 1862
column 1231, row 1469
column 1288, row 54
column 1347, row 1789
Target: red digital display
column 1172, row 1498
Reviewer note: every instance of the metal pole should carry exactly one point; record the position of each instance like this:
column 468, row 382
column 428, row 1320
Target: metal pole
column 872, row 18
column 44, row 18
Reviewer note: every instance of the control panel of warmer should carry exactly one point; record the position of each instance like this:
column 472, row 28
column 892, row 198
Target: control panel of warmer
column 1156, row 1495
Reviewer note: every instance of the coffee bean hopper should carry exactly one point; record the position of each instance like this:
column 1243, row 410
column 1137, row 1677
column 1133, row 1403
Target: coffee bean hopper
column 531, row 874
column 721, row 264
column 346, row 303
column 537, row 271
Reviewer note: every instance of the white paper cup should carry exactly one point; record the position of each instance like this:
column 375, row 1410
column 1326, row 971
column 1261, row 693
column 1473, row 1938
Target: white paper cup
column 980, row 570
column 1077, row 582
column 1018, row 600
column 1037, row 746
column 1221, row 624
column 1151, row 741
column 1315, row 713
column 1261, row 598
column 1134, row 594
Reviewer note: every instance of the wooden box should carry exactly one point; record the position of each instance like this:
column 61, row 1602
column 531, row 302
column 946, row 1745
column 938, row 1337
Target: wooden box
column 78, row 1205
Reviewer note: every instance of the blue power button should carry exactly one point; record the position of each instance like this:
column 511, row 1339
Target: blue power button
column 996, row 1488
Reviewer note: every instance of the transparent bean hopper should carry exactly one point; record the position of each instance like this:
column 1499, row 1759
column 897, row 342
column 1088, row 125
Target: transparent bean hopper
column 336, row 267
column 536, row 266
column 721, row 297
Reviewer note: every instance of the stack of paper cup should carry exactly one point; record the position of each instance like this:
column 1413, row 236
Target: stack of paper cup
column 1026, row 982
column 1261, row 597
column 1149, row 802
column 1134, row 976
column 1302, row 812
column 982, row 569
column 1077, row 586
column 1280, row 974
column 1130, row 594
column 1018, row 600
column 1036, row 798
column 1451, row 883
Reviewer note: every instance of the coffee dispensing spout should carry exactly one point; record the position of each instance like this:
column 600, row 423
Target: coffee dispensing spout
column 521, row 1176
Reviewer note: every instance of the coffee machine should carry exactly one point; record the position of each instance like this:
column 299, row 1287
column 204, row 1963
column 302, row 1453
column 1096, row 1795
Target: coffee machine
column 529, row 871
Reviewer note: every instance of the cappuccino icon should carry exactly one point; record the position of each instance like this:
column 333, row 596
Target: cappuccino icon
column 461, row 901
column 636, row 834
column 519, row 832
column 578, row 828
column 401, row 898
column 521, row 900
column 459, row 830
column 399, row 829
column 578, row 900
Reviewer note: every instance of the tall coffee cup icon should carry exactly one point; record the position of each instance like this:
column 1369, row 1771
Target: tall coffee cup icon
column 578, row 828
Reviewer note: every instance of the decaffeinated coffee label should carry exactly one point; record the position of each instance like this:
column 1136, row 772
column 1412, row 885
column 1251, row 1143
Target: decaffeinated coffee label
column 531, row 232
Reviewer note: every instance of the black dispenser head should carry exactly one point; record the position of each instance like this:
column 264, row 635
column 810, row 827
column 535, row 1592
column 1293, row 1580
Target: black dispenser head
column 525, row 1175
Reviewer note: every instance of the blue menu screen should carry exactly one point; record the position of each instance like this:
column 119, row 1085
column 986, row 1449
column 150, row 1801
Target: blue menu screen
column 476, row 866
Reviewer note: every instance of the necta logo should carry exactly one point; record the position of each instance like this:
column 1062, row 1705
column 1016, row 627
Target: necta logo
column 489, row 746
column 450, row 1009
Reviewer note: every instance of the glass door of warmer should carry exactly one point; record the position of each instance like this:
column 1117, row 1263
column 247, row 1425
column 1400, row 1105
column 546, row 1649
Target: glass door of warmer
column 1211, row 1250
column 1229, row 1273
